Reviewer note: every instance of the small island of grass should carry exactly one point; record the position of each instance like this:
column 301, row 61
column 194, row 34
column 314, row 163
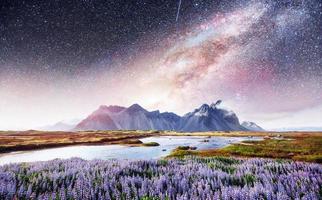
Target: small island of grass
column 132, row 141
column 186, row 148
column 151, row 144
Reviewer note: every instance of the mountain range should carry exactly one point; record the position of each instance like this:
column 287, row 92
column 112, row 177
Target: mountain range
column 206, row 118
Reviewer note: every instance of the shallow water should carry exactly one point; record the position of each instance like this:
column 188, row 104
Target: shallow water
column 104, row 152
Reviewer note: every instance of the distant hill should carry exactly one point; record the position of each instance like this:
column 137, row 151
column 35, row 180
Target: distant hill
column 205, row 118
column 252, row 126
column 65, row 125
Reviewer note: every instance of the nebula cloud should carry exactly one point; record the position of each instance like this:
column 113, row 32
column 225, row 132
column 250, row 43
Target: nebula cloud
column 242, row 57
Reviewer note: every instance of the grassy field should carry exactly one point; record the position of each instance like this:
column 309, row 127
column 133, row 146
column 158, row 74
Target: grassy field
column 295, row 146
column 31, row 140
column 303, row 146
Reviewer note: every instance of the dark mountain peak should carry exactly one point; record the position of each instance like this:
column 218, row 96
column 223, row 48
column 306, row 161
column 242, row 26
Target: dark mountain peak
column 204, row 107
column 214, row 105
column 135, row 108
column 203, row 110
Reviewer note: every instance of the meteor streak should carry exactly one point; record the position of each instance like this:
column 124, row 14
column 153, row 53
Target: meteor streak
column 178, row 12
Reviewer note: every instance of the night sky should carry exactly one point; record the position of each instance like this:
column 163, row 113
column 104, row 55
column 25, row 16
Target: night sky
column 61, row 59
column 71, row 35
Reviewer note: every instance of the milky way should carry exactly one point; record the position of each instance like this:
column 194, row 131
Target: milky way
column 262, row 58
column 254, row 54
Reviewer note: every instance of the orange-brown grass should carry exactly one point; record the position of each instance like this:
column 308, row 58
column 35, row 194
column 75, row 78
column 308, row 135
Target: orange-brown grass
column 29, row 140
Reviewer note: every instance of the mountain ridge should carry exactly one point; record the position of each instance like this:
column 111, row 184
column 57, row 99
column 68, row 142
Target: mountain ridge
column 135, row 117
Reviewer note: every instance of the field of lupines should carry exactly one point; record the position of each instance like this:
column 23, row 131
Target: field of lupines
column 190, row 178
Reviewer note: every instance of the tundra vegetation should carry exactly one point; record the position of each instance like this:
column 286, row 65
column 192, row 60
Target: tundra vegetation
column 227, row 173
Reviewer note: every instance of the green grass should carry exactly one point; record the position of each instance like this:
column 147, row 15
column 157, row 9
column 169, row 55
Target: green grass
column 181, row 153
column 133, row 141
column 151, row 144
column 303, row 149
column 183, row 148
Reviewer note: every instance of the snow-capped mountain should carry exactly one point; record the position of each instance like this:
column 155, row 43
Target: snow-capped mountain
column 205, row 118
column 210, row 118
column 252, row 126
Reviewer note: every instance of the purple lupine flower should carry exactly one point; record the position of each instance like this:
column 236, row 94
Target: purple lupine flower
column 191, row 178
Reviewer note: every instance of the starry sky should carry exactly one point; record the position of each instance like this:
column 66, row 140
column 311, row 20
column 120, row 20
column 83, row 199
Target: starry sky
column 61, row 59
